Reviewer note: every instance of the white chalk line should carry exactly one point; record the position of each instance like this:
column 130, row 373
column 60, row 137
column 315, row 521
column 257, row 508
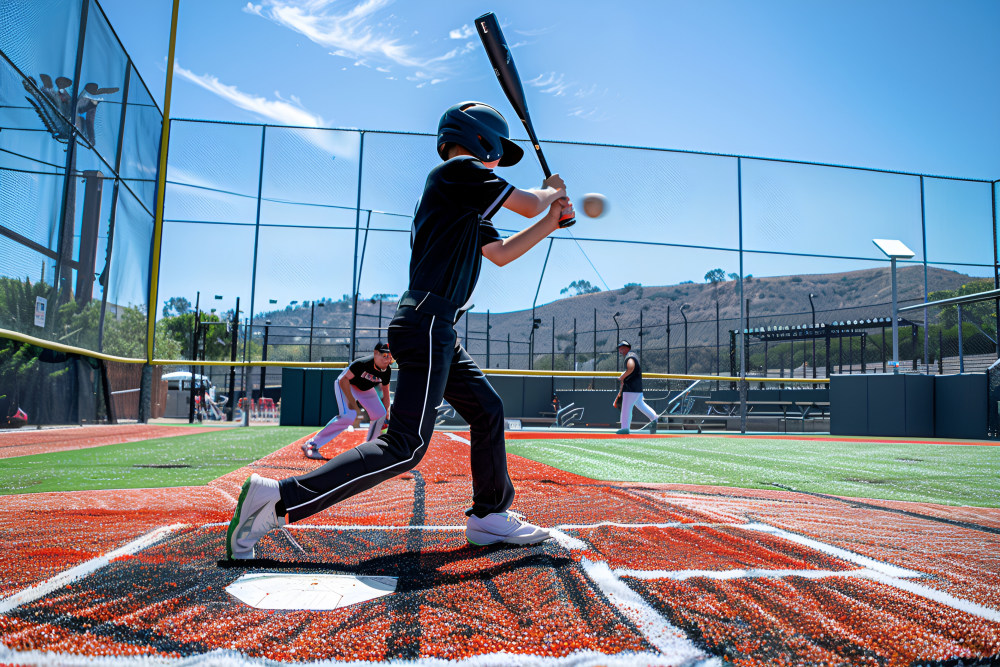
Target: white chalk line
column 829, row 549
column 870, row 568
column 760, row 573
column 657, row 630
column 83, row 569
column 231, row 658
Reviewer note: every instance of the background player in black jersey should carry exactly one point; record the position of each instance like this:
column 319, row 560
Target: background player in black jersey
column 630, row 393
column 452, row 232
column 357, row 385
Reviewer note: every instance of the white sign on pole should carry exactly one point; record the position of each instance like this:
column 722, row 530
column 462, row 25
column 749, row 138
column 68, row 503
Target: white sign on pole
column 40, row 304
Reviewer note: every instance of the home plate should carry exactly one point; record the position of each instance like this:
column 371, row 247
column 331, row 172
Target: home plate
column 317, row 592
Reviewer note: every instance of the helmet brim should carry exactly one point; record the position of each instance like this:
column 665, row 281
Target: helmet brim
column 512, row 153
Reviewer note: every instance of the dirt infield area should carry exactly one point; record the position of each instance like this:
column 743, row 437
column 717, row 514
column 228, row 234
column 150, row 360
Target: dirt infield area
column 28, row 442
column 638, row 574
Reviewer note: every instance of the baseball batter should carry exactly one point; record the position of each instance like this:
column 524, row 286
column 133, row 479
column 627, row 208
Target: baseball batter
column 452, row 231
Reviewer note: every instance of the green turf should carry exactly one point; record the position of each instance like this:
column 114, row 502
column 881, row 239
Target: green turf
column 944, row 474
column 184, row 460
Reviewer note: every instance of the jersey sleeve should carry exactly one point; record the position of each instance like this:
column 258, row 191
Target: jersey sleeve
column 479, row 188
column 487, row 233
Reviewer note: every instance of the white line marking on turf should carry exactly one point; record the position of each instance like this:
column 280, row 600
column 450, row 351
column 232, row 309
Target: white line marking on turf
column 231, row 499
column 457, row 437
column 285, row 531
column 567, row 542
column 843, row 554
column 681, row 575
column 83, row 569
column 671, row 524
column 230, row 658
column 659, row 632
column 936, row 595
column 307, row 526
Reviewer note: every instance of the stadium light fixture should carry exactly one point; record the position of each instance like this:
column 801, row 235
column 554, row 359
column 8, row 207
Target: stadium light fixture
column 894, row 250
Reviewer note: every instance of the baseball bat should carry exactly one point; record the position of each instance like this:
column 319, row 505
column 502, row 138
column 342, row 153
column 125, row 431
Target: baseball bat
column 510, row 81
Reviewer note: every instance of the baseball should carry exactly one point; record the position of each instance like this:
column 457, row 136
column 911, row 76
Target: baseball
column 594, row 205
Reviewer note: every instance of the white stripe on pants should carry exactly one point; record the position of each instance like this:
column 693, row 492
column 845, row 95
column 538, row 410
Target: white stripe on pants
column 630, row 398
column 368, row 399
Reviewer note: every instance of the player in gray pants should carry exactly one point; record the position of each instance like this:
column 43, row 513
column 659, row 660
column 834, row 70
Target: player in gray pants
column 630, row 393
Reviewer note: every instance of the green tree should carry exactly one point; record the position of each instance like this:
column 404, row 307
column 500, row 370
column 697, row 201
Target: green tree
column 176, row 305
column 982, row 314
column 715, row 276
column 580, row 287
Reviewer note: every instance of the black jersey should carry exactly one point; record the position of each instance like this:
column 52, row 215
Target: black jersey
column 633, row 383
column 452, row 224
column 367, row 375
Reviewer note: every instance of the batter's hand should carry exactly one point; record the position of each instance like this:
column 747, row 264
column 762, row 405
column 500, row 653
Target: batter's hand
column 554, row 181
column 561, row 208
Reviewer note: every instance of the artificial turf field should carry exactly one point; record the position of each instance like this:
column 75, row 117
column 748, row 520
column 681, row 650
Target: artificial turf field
column 668, row 550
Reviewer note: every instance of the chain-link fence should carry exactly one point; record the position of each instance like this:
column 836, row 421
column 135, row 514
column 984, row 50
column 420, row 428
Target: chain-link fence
column 308, row 231
column 316, row 223
column 79, row 137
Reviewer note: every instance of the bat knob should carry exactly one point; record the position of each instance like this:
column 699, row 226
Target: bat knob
column 567, row 221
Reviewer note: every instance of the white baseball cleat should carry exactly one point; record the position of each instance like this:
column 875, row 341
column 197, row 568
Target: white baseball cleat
column 507, row 527
column 254, row 517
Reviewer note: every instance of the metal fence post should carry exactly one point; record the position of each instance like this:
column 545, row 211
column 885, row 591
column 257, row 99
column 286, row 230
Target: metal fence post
column 357, row 234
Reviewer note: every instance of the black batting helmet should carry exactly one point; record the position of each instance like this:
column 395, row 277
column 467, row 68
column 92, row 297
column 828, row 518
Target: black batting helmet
column 480, row 129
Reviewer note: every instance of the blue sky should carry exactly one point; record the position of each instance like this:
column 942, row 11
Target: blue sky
column 894, row 85
column 907, row 86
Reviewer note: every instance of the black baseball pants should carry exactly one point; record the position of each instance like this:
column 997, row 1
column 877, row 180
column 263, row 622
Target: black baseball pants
column 432, row 365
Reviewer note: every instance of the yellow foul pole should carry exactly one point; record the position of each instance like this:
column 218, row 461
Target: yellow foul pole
column 161, row 183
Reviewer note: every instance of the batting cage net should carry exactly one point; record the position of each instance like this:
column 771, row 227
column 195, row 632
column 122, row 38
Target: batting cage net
column 291, row 244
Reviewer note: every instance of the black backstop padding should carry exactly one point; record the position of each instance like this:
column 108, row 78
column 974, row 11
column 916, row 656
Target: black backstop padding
column 596, row 404
column 292, row 380
column 960, row 406
column 886, row 404
column 919, row 406
column 537, row 396
column 511, row 391
column 848, row 405
column 312, row 388
column 328, row 402
column 801, row 395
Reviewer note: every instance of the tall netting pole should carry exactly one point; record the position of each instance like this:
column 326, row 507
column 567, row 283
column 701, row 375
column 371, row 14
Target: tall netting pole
column 743, row 325
column 145, row 393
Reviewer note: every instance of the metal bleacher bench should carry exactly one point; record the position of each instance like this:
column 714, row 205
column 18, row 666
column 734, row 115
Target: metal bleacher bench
column 757, row 409
column 698, row 421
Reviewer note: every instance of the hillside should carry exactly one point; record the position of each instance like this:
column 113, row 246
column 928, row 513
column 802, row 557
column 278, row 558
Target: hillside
column 775, row 300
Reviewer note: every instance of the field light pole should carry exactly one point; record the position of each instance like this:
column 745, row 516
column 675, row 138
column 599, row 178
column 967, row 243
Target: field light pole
column 684, row 315
column 312, row 319
column 894, row 250
column 811, row 306
column 263, row 357
column 618, row 339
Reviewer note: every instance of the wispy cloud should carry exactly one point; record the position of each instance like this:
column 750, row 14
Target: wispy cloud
column 286, row 112
column 283, row 111
column 355, row 32
column 465, row 32
column 551, row 83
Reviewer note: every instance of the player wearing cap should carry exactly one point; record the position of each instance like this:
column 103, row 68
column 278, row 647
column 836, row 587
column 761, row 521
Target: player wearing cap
column 357, row 385
column 630, row 393
column 451, row 233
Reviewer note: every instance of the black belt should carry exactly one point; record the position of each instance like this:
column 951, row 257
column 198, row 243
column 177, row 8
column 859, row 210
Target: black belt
column 431, row 304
